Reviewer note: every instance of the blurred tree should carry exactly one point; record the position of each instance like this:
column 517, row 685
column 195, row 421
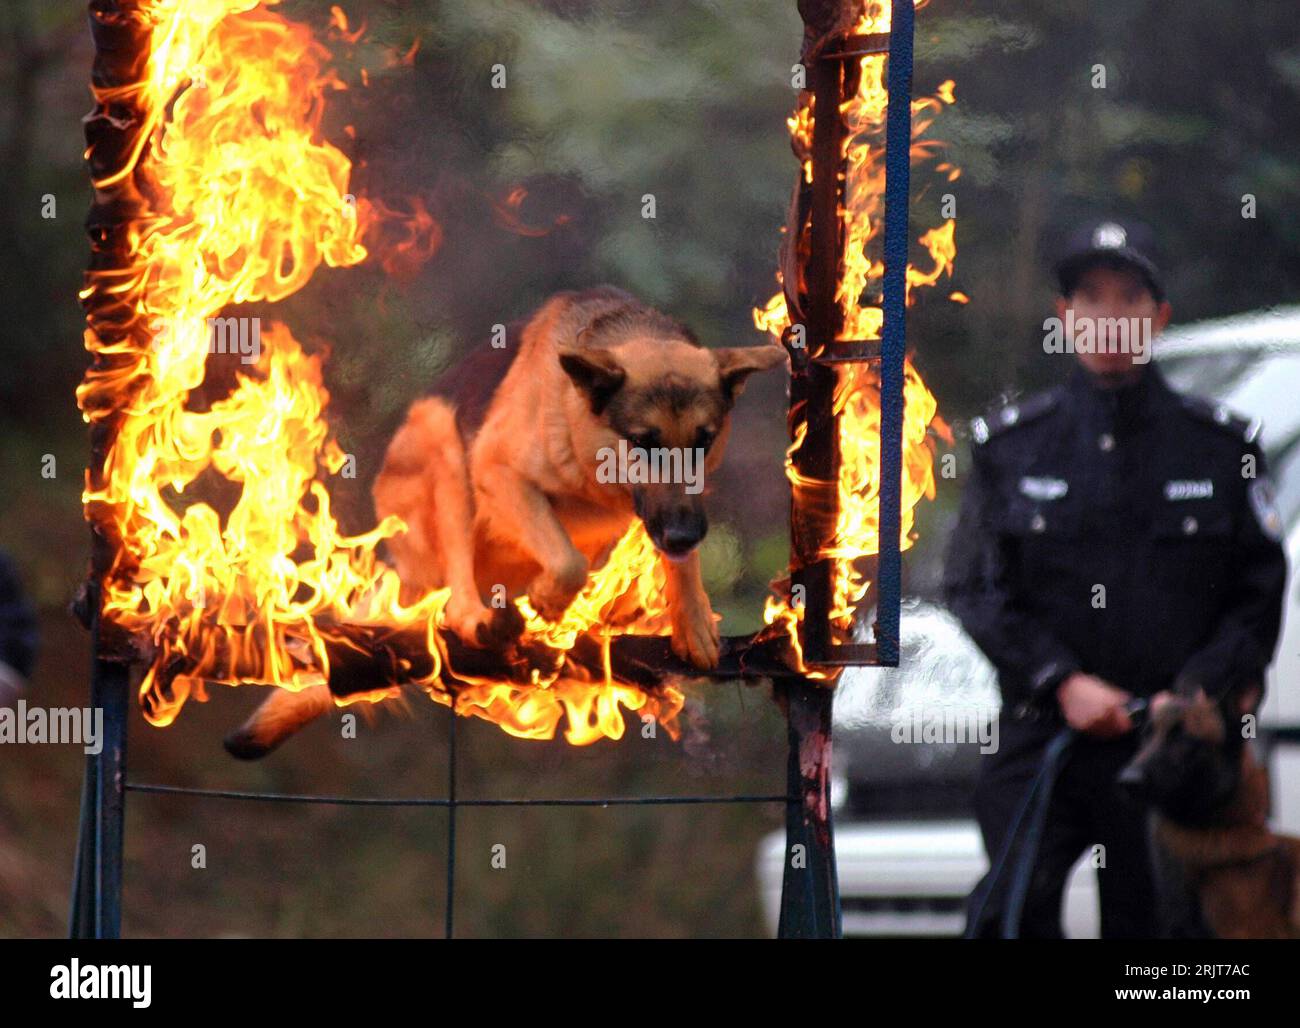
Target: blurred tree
column 1197, row 110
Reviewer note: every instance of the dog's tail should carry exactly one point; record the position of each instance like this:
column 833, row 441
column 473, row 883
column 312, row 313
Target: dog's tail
column 280, row 715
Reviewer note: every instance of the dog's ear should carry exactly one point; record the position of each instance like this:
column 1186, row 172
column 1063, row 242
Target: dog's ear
column 1204, row 720
column 737, row 363
column 1246, row 699
column 1187, row 687
column 595, row 371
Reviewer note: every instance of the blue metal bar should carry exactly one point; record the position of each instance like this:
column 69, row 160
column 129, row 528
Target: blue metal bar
column 898, row 145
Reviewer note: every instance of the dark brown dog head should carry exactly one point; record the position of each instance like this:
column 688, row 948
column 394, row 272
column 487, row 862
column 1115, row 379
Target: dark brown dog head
column 1189, row 764
column 661, row 404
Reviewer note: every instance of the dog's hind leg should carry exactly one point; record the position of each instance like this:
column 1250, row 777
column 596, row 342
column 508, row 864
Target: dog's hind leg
column 425, row 482
column 280, row 715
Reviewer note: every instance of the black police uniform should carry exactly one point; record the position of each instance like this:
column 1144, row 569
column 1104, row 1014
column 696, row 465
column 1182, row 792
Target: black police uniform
column 1129, row 534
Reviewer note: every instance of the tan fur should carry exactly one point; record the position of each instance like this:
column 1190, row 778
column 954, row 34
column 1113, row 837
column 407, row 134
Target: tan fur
column 425, row 482
column 541, row 518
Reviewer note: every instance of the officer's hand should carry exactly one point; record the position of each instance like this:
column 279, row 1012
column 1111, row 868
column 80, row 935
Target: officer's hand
column 1094, row 706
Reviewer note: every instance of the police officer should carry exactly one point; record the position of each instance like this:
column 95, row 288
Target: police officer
column 1116, row 540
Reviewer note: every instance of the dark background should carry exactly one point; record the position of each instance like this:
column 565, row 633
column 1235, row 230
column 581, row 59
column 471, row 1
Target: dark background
column 605, row 102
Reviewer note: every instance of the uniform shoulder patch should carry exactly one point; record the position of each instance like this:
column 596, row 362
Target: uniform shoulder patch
column 1008, row 416
column 1245, row 429
column 1263, row 501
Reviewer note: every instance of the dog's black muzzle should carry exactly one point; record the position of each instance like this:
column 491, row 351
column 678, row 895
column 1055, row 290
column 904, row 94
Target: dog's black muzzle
column 675, row 530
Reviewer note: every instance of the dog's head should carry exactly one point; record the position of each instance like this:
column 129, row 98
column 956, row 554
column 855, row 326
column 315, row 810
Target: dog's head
column 661, row 403
column 1189, row 764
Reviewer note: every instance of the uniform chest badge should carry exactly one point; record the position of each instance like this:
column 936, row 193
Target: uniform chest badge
column 1037, row 488
column 1189, row 489
column 1263, row 501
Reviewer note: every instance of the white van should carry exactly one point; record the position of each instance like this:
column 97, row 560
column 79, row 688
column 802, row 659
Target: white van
column 908, row 849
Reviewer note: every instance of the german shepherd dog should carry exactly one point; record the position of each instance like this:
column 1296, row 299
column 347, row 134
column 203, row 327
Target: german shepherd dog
column 1221, row 873
column 497, row 476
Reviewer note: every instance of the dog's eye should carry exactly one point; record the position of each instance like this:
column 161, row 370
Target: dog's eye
column 704, row 438
column 647, row 440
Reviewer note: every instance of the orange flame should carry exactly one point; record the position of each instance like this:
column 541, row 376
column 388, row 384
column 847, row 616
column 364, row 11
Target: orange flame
column 246, row 201
column 856, row 532
column 507, row 212
column 418, row 236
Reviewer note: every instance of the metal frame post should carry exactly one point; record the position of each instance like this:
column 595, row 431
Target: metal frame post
column 810, row 892
column 810, row 902
column 121, row 34
column 97, row 876
column 898, row 167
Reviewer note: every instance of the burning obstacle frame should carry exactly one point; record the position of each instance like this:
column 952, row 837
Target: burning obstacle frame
column 362, row 658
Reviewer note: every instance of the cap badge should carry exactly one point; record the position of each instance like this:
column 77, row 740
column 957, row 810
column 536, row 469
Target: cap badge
column 1109, row 236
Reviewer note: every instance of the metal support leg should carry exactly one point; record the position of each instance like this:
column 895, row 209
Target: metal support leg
column 97, row 878
column 810, row 894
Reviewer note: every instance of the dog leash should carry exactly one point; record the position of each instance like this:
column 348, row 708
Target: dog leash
column 1034, row 806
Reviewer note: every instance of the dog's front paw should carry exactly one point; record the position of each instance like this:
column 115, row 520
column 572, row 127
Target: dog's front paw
column 483, row 627
column 504, row 625
column 695, row 635
column 551, row 592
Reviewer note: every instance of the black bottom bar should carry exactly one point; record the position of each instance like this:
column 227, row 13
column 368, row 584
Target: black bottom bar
column 810, row 894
